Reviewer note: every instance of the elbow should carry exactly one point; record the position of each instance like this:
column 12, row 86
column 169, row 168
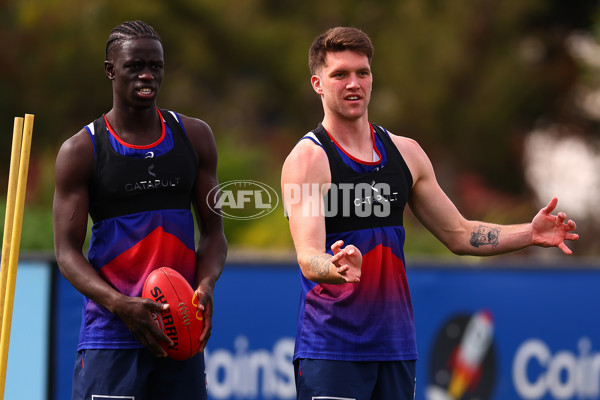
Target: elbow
column 224, row 246
column 302, row 264
column 457, row 240
column 309, row 270
column 66, row 256
column 62, row 262
column 59, row 256
column 459, row 251
column 457, row 248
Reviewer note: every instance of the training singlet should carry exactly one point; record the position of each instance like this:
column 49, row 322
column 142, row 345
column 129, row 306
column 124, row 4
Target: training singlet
column 373, row 319
column 140, row 205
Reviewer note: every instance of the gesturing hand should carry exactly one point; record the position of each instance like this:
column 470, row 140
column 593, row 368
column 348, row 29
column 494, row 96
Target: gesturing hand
column 552, row 230
column 348, row 261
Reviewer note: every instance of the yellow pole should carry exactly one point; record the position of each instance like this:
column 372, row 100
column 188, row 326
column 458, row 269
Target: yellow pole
column 15, row 244
column 10, row 206
column 11, row 194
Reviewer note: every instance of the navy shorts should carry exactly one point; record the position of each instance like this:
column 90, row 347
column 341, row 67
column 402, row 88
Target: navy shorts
column 137, row 374
column 355, row 380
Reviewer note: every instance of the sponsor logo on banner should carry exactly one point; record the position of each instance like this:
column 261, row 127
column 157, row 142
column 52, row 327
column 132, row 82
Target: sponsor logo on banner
column 539, row 372
column 463, row 359
column 463, row 365
column 247, row 373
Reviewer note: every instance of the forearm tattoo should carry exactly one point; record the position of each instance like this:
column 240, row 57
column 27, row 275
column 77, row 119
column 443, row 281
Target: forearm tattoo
column 484, row 235
column 319, row 264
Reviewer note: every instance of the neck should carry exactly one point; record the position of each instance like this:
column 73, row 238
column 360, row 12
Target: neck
column 354, row 137
column 126, row 114
column 135, row 126
column 350, row 133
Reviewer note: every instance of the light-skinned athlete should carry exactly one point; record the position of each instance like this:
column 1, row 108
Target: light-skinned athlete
column 345, row 186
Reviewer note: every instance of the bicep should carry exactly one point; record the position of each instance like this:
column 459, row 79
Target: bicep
column 434, row 209
column 71, row 198
column 206, row 193
column 428, row 202
column 304, row 178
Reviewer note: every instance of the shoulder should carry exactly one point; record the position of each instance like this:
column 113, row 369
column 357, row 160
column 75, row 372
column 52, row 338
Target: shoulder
column 78, row 146
column 309, row 150
column 306, row 163
column 195, row 127
column 415, row 157
column 76, row 156
column 406, row 145
column 200, row 135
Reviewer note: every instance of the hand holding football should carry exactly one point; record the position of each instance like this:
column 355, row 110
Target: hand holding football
column 182, row 322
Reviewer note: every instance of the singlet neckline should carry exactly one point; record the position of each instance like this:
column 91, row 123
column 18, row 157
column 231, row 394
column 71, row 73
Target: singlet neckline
column 136, row 146
column 355, row 159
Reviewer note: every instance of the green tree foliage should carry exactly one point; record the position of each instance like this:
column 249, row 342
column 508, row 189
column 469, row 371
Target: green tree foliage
column 467, row 79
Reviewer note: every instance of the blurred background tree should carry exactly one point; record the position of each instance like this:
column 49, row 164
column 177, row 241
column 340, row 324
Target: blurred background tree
column 469, row 80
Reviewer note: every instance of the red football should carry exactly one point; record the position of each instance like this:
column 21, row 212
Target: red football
column 182, row 322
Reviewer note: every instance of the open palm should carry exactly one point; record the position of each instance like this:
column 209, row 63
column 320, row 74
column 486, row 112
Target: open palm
column 552, row 230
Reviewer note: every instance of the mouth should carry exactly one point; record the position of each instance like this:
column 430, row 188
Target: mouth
column 353, row 98
column 145, row 91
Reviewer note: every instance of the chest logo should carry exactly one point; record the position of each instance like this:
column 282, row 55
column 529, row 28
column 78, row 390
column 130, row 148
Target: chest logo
column 156, row 182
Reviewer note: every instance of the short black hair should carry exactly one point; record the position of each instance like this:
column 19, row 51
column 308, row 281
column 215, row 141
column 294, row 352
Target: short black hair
column 130, row 30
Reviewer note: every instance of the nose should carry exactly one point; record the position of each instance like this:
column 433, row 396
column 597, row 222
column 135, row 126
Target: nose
column 146, row 74
column 352, row 82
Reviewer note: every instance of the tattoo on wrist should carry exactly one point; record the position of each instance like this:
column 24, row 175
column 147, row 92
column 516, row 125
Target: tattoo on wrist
column 319, row 264
column 484, row 235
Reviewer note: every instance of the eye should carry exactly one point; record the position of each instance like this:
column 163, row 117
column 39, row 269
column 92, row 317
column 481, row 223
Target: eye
column 134, row 66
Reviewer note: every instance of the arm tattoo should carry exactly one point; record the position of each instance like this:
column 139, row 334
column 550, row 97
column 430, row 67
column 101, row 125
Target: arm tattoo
column 319, row 264
column 484, row 235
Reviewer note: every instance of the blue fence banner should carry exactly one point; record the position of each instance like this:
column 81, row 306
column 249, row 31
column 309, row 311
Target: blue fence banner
column 484, row 332
column 542, row 342
column 28, row 355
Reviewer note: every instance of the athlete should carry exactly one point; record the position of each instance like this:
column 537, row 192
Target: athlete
column 345, row 186
column 137, row 171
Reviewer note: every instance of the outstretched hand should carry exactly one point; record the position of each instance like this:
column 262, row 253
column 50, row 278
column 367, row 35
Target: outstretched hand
column 552, row 230
column 348, row 261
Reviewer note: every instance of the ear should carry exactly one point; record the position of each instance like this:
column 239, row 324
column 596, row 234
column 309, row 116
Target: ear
column 109, row 70
column 315, row 81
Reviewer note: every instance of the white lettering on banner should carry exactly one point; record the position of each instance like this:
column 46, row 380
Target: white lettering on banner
column 250, row 374
column 564, row 375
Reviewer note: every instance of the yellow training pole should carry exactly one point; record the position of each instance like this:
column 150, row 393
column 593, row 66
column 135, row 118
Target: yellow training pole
column 11, row 194
column 15, row 244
